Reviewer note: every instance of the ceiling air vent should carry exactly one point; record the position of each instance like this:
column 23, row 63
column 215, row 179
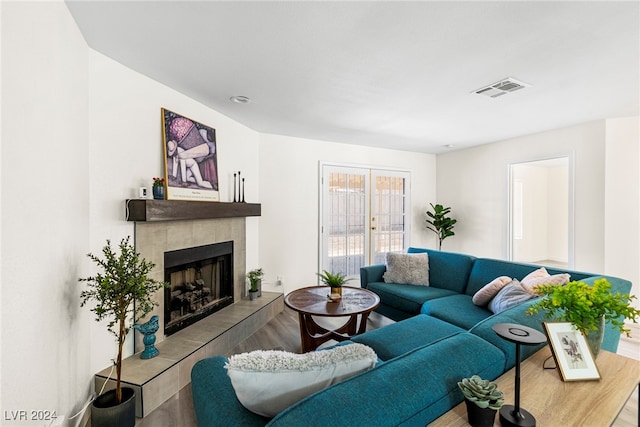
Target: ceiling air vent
column 502, row 87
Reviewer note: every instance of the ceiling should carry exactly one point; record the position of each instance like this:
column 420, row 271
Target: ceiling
column 389, row 74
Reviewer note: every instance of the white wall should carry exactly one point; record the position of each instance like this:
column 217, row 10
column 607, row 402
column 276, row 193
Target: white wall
column 545, row 213
column 533, row 245
column 289, row 192
column 622, row 200
column 557, row 207
column 474, row 183
column 45, row 198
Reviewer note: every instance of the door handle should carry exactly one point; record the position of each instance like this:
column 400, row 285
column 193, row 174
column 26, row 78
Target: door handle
column 373, row 228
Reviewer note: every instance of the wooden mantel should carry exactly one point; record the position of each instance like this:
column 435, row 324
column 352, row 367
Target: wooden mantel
column 145, row 210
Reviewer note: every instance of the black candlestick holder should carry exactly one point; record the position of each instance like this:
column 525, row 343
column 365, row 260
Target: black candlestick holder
column 234, row 187
column 514, row 415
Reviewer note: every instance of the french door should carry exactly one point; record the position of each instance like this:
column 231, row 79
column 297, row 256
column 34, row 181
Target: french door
column 363, row 216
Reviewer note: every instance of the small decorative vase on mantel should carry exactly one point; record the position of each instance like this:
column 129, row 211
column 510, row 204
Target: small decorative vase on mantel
column 158, row 193
column 158, row 188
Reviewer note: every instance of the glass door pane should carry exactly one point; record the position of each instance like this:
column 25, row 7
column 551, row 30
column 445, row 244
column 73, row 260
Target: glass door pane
column 344, row 231
column 389, row 223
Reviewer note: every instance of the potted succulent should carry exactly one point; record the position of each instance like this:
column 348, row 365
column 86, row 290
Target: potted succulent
column 482, row 398
column 122, row 293
column 440, row 223
column 255, row 283
column 335, row 281
column 587, row 308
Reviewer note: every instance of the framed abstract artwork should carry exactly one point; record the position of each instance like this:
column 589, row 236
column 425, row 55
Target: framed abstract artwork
column 571, row 352
column 190, row 158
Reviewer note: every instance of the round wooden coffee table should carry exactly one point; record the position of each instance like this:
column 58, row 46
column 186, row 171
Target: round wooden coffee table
column 313, row 301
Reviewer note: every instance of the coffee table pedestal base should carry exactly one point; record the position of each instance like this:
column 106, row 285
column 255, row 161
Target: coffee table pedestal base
column 510, row 418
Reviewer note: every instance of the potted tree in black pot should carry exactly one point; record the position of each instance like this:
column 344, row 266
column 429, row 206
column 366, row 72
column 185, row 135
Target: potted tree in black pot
column 121, row 281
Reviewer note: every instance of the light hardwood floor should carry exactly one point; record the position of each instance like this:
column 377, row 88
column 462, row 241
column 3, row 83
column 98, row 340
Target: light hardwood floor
column 282, row 334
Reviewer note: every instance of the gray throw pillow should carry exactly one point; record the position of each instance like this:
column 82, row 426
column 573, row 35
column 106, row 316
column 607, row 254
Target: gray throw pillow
column 509, row 296
column 407, row 269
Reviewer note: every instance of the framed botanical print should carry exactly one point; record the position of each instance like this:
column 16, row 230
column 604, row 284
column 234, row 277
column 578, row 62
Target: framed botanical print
column 571, row 352
column 190, row 158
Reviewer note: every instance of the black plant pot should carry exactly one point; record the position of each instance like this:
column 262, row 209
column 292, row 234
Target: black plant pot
column 479, row 417
column 106, row 413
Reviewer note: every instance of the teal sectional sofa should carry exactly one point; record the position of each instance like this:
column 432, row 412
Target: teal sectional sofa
column 440, row 337
column 454, row 279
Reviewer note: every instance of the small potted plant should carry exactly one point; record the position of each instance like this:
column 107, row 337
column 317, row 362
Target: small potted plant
column 158, row 188
column 335, row 281
column 255, row 283
column 440, row 223
column 122, row 293
column 482, row 398
column 586, row 308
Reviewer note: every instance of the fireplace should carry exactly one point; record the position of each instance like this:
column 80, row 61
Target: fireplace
column 202, row 283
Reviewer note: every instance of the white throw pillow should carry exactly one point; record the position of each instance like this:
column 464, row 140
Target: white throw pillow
column 267, row 382
column 542, row 277
column 409, row 269
column 488, row 291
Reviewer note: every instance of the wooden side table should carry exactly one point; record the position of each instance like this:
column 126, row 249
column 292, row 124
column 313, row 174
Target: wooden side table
column 312, row 301
column 558, row 403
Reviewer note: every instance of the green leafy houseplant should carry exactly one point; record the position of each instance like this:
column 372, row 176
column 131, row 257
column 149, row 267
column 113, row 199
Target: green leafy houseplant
column 334, row 280
column 254, row 277
column 585, row 306
column 483, row 393
column 121, row 282
column 440, row 223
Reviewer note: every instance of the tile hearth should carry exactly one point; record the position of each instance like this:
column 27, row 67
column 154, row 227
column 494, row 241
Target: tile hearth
column 156, row 380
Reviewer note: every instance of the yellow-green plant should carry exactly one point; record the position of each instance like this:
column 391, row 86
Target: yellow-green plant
column 584, row 305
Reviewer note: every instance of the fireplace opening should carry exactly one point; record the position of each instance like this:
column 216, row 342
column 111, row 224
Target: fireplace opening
column 201, row 281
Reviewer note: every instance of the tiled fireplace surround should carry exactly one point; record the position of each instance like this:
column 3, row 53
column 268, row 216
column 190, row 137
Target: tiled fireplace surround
column 153, row 239
column 157, row 379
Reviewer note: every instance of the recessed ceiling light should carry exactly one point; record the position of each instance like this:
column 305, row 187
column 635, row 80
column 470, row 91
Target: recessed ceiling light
column 448, row 146
column 240, row 99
